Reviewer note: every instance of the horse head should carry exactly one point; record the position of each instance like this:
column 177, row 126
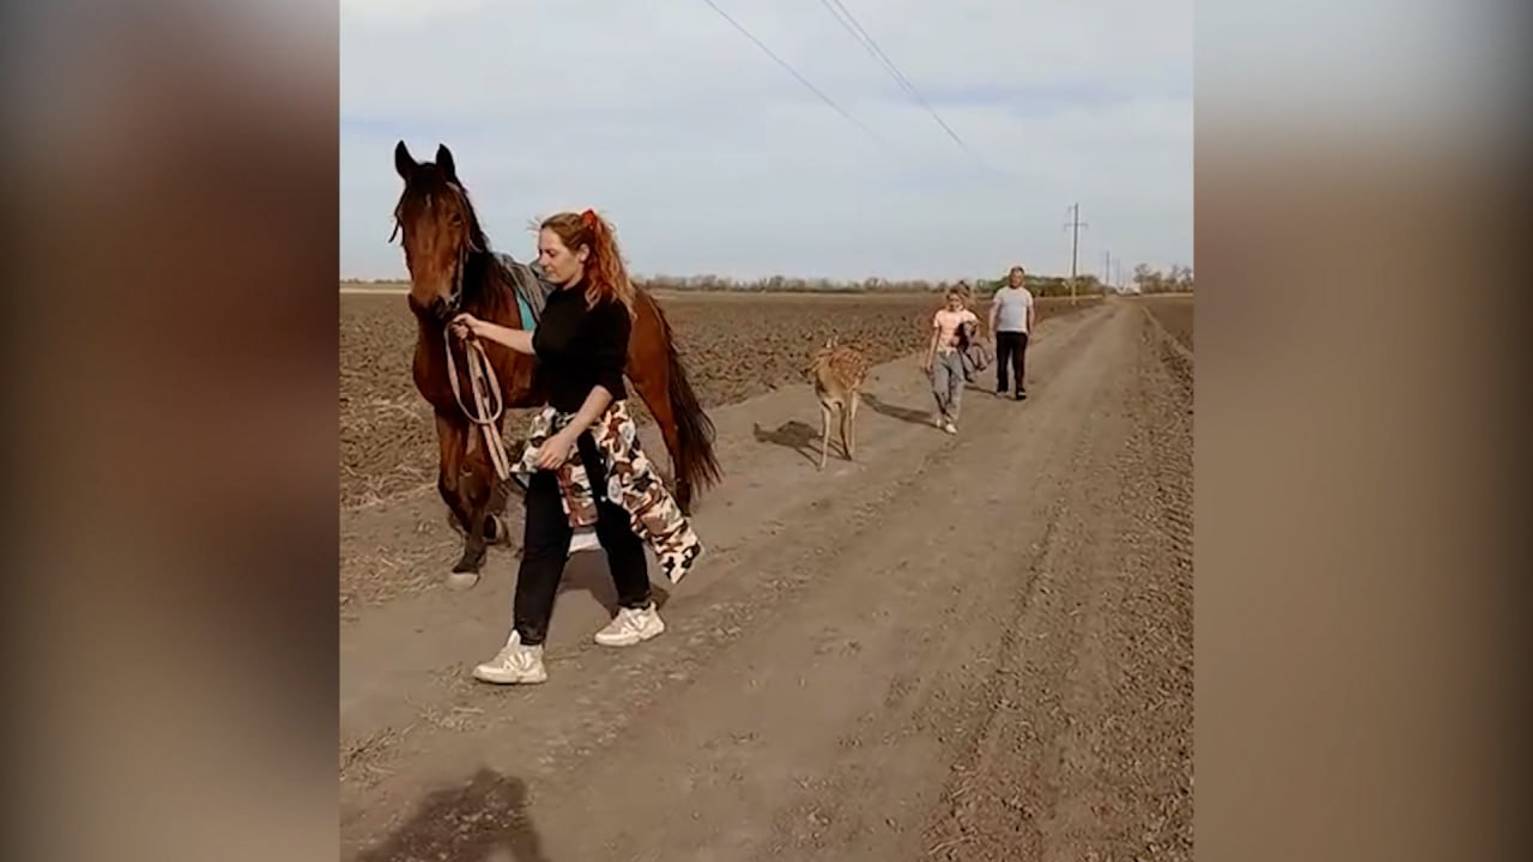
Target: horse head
column 439, row 230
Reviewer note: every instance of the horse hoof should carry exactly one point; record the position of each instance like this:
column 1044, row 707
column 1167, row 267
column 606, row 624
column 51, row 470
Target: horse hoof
column 459, row 581
column 496, row 532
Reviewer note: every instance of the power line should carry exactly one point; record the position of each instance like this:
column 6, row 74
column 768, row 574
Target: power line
column 850, row 23
column 794, row 72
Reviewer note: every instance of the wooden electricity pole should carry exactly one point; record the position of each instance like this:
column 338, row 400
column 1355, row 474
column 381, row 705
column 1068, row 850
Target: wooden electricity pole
column 1075, row 224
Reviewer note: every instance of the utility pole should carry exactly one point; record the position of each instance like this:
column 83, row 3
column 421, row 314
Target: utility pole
column 1075, row 224
column 1106, row 270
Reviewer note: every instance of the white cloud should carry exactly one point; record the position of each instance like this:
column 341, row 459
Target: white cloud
column 709, row 157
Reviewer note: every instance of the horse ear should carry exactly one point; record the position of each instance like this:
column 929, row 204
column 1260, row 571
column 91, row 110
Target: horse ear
column 445, row 164
column 404, row 163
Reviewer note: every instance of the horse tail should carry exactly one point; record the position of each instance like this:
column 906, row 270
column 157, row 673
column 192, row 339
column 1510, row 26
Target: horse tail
column 695, row 459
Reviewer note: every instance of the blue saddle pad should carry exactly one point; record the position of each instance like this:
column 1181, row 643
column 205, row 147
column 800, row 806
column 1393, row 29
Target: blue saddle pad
column 526, row 311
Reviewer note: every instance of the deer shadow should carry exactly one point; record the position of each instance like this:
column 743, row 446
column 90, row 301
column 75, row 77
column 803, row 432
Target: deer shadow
column 485, row 820
column 795, row 435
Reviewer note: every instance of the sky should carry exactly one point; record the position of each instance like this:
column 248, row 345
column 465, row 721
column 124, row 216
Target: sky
column 710, row 158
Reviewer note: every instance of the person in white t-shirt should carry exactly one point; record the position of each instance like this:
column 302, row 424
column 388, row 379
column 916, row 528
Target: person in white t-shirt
column 944, row 362
column 1011, row 319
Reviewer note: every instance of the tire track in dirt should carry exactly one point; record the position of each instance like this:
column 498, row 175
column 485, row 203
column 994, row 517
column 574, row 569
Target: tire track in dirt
column 1089, row 756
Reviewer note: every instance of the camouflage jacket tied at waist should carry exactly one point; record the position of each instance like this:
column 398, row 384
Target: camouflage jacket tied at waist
column 632, row 484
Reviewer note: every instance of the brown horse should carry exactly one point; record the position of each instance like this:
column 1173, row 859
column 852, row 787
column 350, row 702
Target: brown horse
column 452, row 269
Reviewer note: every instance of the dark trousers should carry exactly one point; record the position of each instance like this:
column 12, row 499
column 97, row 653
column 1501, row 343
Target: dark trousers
column 546, row 545
column 1010, row 349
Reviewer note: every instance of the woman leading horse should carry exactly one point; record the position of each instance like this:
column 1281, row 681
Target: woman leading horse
column 453, row 270
column 583, row 455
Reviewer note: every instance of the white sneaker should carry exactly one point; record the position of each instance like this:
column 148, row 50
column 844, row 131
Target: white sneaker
column 950, row 428
column 514, row 664
column 584, row 540
column 631, row 626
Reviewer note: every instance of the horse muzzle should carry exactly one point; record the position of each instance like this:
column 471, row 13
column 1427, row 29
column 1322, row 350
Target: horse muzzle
column 445, row 309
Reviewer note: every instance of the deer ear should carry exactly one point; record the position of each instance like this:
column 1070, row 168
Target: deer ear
column 404, row 163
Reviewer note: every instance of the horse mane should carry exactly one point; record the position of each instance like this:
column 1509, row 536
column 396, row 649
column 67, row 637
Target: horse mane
column 488, row 288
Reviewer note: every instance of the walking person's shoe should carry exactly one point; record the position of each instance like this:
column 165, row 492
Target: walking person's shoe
column 1021, row 394
column 515, row 664
column 631, row 626
column 949, row 427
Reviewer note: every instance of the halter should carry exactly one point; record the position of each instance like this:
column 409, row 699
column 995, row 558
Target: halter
column 455, row 299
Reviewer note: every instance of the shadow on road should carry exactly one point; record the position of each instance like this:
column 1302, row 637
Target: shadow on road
column 485, row 820
column 794, row 435
column 588, row 571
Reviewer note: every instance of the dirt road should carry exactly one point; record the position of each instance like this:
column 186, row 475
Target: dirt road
column 971, row 647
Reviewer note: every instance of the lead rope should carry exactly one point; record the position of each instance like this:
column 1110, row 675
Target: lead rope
column 485, row 389
column 482, row 382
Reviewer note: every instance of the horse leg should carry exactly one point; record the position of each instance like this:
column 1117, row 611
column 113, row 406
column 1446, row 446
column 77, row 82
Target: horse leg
column 485, row 496
column 452, row 438
column 478, row 485
column 449, row 435
column 495, row 530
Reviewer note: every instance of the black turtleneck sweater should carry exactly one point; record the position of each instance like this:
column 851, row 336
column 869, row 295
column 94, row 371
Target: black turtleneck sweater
column 580, row 348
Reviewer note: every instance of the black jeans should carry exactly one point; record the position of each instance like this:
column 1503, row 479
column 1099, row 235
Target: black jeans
column 1010, row 348
column 546, row 545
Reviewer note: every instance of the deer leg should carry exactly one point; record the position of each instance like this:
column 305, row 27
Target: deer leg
column 849, row 427
column 824, row 433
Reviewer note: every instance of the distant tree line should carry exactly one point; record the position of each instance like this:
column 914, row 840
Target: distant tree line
column 1148, row 280
column 1042, row 285
column 981, row 286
